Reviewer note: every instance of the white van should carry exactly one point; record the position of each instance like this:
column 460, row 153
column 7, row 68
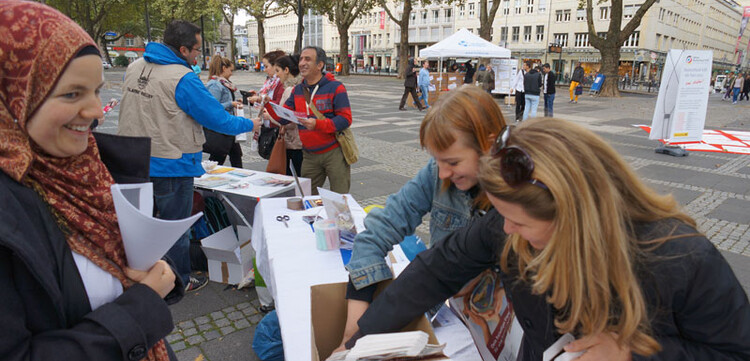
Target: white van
column 719, row 83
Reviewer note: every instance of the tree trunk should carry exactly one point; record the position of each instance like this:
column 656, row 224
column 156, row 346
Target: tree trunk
column 105, row 49
column 261, row 38
column 231, row 40
column 403, row 46
column 610, row 66
column 484, row 23
column 344, row 49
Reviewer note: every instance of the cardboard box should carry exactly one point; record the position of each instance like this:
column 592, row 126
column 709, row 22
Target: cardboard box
column 328, row 305
column 229, row 258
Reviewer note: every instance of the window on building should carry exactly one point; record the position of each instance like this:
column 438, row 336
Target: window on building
column 582, row 40
column 542, row 6
column 629, row 10
column 129, row 42
column 561, row 39
column 527, row 34
column 504, row 34
column 447, row 14
column 581, row 15
column 435, row 15
column 661, row 14
column 413, row 17
column 506, row 7
column 387, row 38
column 658, row 41
column 566, row 16
column 558, row 16
column 632, row 41
column 676, row 20
column 604, row 13
column 539, row 33
column 518, row 7
column 515, row 36
column 529, row 6
column 471, row 10
column 424, row 17
column 461, row 11
column 602, row 35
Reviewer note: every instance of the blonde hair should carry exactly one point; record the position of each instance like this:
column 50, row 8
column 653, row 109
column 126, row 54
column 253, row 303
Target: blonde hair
column 593, row 201
column 469, row 113
column 217, row 65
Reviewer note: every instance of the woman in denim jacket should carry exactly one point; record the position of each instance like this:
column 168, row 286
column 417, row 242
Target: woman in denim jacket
column 223, row 90
column 456, row 131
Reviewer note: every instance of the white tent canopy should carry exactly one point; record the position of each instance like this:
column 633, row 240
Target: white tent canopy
column 464, row 44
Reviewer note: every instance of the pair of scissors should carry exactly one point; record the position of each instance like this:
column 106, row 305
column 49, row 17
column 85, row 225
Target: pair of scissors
column 284, row 219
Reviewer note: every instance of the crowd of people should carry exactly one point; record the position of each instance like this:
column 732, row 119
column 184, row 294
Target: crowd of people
column 581, row 244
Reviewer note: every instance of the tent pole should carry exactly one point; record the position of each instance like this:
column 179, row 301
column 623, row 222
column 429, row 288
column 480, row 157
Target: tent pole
column 440, row 81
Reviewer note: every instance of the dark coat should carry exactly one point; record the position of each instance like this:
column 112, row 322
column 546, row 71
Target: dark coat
column 702, row 313
column 410, row 78
column 532, row 82
column 577, row 74
column 551, row 79
column 44, row 309
column 469, row 76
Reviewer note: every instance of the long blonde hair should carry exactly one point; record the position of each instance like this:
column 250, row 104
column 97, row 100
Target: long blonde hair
column 217, row 65
column 468, row 112
column 594, row 198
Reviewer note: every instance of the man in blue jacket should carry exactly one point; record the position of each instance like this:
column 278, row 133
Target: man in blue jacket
column 164, row 100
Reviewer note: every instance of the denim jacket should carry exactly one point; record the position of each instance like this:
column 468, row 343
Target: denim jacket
column 222, row 94
column 449, row 210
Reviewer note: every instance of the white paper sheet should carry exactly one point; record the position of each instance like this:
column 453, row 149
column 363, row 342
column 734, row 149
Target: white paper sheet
column 146, row 239
column 284, row 113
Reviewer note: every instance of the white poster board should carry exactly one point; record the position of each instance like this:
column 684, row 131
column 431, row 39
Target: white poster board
column 505, row 69
column 680, row 112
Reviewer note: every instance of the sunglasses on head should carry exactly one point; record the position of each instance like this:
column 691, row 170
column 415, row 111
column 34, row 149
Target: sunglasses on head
column 516, row 166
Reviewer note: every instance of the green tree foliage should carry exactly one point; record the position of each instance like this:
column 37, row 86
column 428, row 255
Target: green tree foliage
column 342, row 13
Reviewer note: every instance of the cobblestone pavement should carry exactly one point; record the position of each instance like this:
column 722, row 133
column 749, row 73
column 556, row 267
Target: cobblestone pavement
column 218, row 322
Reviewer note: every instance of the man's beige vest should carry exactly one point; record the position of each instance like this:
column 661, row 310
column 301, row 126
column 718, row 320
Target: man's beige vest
column 149, row 109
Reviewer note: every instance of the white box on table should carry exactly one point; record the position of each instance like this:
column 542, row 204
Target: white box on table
column 229, row 258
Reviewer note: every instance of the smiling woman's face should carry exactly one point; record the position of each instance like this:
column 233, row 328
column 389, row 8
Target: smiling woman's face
column 61, row 124
column 459, row 164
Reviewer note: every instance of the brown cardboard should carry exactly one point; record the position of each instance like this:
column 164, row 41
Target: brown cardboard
column 328, row 308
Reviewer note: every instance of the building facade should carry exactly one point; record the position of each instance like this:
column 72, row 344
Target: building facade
column 527, row 28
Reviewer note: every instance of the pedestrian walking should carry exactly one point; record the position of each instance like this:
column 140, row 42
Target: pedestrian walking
column 532, row 85
column 67, row 291
column 577, row 79
column 488, row 79
column 424, row 83
column 517, row 90
column 548, row 90
column 739, row 84
column 746, row 88
column 728, row 84
column 164, row 100
column 410, row 86
column 470, row 71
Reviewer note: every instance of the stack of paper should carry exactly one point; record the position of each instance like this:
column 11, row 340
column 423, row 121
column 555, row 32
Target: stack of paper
column 386, row 346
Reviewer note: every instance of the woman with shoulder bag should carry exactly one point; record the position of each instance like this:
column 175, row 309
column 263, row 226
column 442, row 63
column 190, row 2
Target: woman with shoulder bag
column 219, row 145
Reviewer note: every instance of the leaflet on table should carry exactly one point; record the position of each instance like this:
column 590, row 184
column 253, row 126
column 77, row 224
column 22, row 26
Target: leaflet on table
column 337, row 208
column 483, row 308
column 286, row 114
column 146, row 239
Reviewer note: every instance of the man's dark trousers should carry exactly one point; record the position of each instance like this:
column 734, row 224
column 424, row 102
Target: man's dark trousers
column 520, row 105
column 414, row 96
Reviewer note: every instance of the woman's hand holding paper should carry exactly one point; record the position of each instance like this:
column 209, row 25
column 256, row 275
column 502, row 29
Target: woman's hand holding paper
column 159, row 278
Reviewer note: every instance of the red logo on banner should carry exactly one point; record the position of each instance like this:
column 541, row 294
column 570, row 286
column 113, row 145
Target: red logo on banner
column 382, row 20
column 746, row 13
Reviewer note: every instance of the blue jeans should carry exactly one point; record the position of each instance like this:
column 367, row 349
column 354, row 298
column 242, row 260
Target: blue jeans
column 424, row 89
column 532, row 102
column 549, row 101
column 173, row 199
column 735, row 93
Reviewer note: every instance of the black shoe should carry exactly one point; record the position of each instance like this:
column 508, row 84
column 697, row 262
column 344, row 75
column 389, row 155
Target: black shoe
column 196, row 282
column 266, row 309
column 401, row 108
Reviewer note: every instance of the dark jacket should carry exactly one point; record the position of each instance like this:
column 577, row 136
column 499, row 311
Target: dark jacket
column 469, row 76
column 551, row 79
column 410, row 78
column 703, row 315
column 577, row 74
column 44, row 309
column 532, row 82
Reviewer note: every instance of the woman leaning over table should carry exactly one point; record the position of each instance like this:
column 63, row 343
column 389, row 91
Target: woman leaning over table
column 586, row 248
column 66, row 291
column 456, row 131
column 220, row 70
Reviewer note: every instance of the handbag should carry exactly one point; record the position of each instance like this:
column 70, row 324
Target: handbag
column 277, row 160
column 579, row 90
column 217, row 143
column 266, row 141
column 344, row 137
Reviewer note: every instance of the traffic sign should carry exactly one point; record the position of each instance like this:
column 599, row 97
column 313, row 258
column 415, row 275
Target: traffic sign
column 110, row 33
